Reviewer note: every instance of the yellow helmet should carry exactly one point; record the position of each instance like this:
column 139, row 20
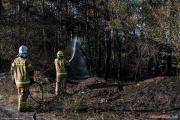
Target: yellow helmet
column 60, row 54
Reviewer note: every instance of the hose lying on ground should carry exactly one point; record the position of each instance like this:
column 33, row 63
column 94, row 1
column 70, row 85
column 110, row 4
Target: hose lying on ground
column 40, row 102
column 42, row 97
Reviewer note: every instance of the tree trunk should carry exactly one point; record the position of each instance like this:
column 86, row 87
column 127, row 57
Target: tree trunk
column 108, row 54
column 172, row 26
column 1, row 7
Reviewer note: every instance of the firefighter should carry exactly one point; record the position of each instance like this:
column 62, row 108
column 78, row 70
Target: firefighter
column 61, row 65
column 22, row 75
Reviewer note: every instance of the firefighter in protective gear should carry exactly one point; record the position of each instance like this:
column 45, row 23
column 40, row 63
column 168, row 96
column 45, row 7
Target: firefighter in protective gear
column 61, row 65
column 22, row 75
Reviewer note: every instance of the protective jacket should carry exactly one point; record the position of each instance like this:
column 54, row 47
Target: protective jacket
column 61, row 65
column 22, row 72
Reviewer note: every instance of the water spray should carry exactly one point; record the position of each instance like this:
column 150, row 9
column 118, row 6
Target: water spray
column 74, row 49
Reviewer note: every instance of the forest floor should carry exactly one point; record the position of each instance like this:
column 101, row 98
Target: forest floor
column 95, row 99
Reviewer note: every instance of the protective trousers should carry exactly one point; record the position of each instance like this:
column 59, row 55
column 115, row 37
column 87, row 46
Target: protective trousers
column 23, row 93
column 60, row 85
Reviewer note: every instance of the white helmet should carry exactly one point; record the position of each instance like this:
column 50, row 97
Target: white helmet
column 23, row 51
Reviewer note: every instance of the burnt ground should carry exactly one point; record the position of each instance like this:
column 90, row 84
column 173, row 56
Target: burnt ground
column 95, row 99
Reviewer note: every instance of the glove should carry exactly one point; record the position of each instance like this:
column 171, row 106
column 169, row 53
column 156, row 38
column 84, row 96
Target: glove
column 12, row 78
column 32, row 81
column 14, row 82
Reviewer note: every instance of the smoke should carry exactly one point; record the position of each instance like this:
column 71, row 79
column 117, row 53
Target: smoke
column 78, row 64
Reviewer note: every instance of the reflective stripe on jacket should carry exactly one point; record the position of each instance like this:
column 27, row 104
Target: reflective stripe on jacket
column 60, row 67
column 21, row 68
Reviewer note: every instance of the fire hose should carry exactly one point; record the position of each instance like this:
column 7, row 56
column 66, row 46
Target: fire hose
column 39, row 102
column 41, row 89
